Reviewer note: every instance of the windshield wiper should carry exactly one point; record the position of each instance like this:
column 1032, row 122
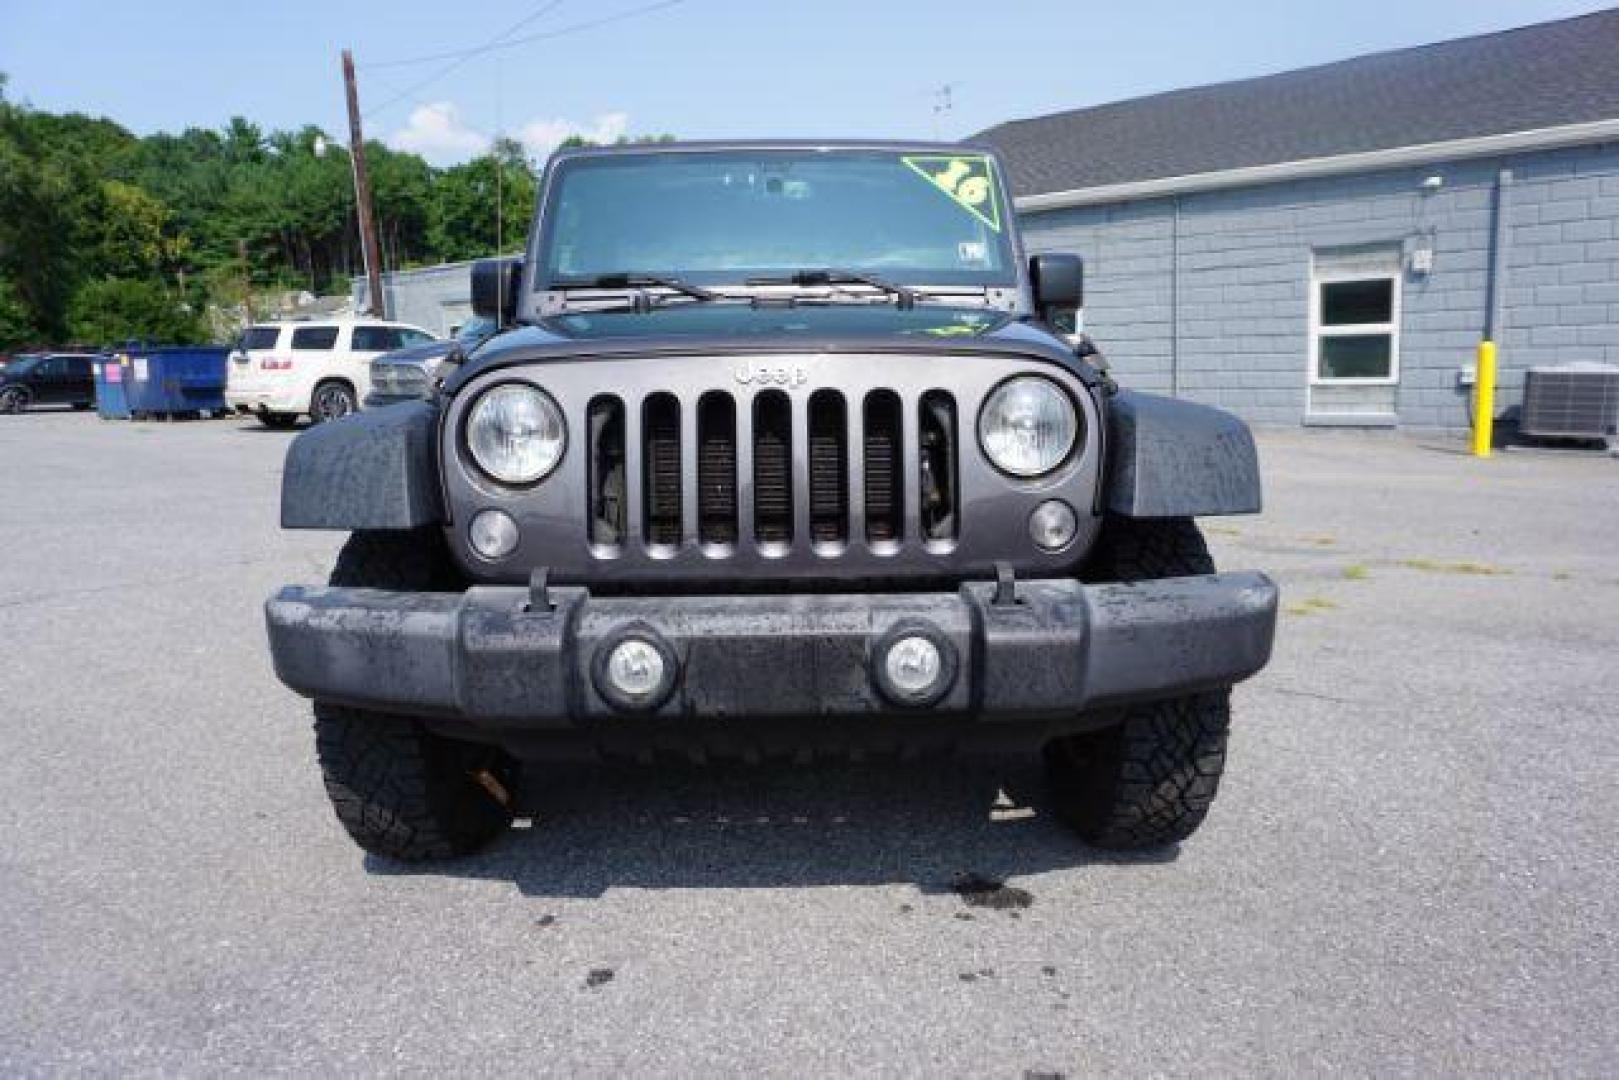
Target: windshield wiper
column 904, row 296
column 628, row 280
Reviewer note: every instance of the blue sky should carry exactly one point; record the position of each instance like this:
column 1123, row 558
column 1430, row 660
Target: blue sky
column 693, row 68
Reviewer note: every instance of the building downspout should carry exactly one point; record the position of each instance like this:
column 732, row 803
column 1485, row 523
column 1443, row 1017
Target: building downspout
column 1485, row 369
column 1499, row 240
column 1175, row 298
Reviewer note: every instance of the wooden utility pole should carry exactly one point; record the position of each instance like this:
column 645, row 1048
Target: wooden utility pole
column 362, row 193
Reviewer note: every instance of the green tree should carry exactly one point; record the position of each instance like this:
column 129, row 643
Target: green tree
column 41, row 211
column 112, row 309
column 466, row 225
column 402, row 197
column 147, row 227
column 135, row 235
column 16, row 324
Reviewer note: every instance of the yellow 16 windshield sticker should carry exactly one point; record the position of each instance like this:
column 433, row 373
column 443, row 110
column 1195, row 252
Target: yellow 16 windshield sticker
column 967, row 178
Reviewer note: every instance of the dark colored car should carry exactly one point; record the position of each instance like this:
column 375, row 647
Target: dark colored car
column 415, row 372
column 778, row 454
column 47, row 379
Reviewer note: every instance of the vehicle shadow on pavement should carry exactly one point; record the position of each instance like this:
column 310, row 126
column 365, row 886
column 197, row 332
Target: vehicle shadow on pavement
column 256, row 428
column 932, row 824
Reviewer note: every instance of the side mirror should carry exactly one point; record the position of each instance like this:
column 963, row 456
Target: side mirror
column 1059, row 283
column 494, row 288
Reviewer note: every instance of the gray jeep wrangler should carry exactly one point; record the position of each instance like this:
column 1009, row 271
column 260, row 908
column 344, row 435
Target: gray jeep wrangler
column 778, row 452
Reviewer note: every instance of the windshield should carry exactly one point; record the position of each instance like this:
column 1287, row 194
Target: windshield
column 21, row 365
column 724, row 217
column 475, row 329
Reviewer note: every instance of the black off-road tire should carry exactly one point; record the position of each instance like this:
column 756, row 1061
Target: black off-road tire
column 414, row 560
column 1146, row 781
column 407, row 794
column 1143, row 549
column 400, row 790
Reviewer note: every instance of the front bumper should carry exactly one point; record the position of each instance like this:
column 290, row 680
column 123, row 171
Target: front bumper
column 490, row 657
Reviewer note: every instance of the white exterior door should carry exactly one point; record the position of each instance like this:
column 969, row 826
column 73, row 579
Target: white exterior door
column 1354, row 360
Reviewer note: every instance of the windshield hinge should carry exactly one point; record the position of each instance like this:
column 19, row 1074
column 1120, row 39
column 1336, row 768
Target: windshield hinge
column 1001, row 299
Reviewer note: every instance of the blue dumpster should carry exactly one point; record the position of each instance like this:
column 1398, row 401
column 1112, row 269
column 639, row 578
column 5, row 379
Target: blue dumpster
column 112, row 403
column 176, row 380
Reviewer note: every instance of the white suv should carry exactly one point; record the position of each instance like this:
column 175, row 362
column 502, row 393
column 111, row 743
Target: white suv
column 280, row 371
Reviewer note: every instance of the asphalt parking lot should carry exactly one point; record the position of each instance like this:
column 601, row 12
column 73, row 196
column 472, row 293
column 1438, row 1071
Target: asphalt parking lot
column 1411, row 867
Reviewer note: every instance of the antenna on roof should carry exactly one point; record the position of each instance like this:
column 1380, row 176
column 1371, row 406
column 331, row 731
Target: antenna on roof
column 942, row 104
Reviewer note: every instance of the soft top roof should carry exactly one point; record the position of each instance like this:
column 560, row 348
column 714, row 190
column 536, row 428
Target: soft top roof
column 717, row 145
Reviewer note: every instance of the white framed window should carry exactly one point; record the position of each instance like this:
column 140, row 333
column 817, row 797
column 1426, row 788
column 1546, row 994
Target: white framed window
column 1355, row 320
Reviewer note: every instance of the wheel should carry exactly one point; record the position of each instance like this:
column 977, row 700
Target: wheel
column 15, row 399
column 1141, row 549
column 407, row 794
column 1147, row 780
column 82, row 406
column 332, row 401
column 401, row 791
column 278, row 421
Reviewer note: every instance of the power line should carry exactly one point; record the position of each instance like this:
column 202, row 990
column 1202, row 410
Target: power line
column 543, row 9
column 462, row 55
column 457, row 53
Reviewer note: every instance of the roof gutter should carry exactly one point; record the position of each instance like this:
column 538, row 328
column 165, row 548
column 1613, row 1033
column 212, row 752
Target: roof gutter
column 1593, row 131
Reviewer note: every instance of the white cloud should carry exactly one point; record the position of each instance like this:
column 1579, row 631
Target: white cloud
column 436, row 132
column 543, row 136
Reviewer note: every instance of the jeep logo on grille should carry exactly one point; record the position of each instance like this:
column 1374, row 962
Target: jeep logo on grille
column 770, row 374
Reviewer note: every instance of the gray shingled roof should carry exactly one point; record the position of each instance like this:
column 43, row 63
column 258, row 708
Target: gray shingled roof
column 1538, row 76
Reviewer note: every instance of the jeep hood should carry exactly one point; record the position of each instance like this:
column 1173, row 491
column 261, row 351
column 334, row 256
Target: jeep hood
column 731, row 328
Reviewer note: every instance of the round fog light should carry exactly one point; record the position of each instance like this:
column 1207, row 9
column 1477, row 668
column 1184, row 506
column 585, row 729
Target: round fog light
column 493, row 534
column 915, row 664
column 1052, row 525
column 635, row 668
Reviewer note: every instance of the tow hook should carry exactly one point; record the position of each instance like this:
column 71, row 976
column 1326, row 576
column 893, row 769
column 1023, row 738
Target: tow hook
column 497, row 791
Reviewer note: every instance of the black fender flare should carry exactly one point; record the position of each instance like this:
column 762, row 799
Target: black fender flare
column 372, row 470
column 1173, row 458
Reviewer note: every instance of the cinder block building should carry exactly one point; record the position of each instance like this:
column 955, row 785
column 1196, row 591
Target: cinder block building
column 436, row 298
column 1328, row 246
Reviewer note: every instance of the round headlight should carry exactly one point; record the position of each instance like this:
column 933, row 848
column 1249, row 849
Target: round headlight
column 1027, row 426
column 515, row 433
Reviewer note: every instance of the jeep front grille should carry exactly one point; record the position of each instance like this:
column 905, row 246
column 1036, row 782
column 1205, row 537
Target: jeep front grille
column 884, row 509
column 734, row 472
column 661, row 427
column 828, row 468
column 772, row 442
column 716, row 469
column 821, row 476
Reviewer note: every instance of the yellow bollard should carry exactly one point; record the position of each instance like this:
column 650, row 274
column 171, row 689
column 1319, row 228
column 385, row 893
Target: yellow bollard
column 1484, row 400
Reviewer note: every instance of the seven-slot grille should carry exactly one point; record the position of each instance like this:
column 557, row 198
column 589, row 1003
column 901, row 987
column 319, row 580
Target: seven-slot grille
column 771, row 473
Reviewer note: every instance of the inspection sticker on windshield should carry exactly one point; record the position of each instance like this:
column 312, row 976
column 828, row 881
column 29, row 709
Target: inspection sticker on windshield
column 968, row 180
